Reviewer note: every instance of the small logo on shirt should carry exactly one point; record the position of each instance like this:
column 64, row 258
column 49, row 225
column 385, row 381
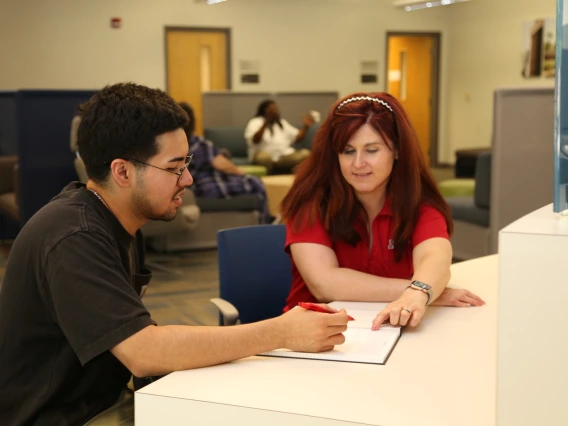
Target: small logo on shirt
column 391, row 245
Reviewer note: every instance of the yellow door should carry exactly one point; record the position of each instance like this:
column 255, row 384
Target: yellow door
column 410, row 81
column 196, row 63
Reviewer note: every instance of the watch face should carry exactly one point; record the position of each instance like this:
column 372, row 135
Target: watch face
column 421, row 285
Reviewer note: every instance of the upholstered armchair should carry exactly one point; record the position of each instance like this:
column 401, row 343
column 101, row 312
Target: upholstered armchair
column 9, row 187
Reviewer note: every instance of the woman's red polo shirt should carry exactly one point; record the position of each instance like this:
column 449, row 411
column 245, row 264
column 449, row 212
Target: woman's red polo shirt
column 380, row 261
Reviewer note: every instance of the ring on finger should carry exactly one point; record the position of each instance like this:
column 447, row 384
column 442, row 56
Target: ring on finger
column 407, row 310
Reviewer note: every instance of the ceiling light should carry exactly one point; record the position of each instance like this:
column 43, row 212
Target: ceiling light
column 410, row 5
column 209, row 1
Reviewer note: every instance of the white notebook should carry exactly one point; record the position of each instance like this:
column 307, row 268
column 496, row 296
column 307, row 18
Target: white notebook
column 361, row 345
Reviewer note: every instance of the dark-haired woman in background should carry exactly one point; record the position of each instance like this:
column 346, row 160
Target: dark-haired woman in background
column 215, row 176
column 365, row 220
column 270, row 139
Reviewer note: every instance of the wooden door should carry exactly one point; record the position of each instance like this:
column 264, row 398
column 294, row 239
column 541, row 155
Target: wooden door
column 410, row 72
column 196, row 63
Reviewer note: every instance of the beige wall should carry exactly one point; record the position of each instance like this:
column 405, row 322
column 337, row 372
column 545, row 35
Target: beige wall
column 301, row 45
column 485, row 53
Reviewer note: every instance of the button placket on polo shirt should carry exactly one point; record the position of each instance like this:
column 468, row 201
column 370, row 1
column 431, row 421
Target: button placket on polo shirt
column 375, row 258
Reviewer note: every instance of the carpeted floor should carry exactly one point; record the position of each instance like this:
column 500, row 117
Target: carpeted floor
column 182, row 297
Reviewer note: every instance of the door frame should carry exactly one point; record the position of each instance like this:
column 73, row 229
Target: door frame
column 227, row 32
column 435, row 84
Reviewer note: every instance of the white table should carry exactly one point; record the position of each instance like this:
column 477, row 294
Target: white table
column 442, row 373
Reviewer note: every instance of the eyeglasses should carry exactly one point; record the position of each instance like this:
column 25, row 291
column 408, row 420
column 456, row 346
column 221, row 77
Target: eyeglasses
column 179, row 173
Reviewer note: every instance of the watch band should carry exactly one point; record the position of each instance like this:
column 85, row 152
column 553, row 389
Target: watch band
column 423, row 287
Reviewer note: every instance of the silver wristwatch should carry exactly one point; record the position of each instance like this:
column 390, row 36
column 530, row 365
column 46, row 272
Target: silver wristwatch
column 420, row 286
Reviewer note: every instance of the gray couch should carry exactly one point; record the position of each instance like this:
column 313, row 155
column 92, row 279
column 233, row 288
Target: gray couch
column 472, row 229
column 232, row 139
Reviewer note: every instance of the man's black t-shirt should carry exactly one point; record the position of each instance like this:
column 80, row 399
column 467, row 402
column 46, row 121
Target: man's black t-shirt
column 70, row 294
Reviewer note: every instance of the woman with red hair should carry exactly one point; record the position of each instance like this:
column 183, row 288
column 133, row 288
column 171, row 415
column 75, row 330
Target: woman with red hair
column 365, row 220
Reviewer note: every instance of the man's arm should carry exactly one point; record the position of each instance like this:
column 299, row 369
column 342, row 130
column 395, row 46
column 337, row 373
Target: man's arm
column 223, row 164
column 161, row 350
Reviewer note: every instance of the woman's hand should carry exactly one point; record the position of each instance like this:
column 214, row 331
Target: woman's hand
column 458, row 297
column 408, row 309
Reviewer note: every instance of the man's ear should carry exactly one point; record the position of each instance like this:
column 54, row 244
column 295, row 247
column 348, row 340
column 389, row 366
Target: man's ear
column 122, row 172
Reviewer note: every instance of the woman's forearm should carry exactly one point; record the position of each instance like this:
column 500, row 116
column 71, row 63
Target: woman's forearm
column 434, row 271
column 350, row 285
column 432, row 260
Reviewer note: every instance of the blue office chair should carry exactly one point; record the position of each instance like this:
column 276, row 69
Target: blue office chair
column 255, row 273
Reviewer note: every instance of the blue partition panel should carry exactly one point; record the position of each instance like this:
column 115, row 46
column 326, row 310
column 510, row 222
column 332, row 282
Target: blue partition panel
column 8, row 135
column 46, row 161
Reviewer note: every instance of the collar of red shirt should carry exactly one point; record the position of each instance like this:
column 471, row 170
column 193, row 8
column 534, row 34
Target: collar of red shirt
column 385, row 211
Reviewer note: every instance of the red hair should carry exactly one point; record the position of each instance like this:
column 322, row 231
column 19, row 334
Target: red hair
column 320, row 191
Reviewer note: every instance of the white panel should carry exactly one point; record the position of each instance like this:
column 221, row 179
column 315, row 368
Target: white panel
column 458, row 346
column 151, row 410
column 532, row 346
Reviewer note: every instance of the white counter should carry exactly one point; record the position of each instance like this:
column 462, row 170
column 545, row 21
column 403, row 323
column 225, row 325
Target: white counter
column 442, row 373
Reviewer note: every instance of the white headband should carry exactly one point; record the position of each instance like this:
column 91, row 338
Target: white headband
column 366, row 98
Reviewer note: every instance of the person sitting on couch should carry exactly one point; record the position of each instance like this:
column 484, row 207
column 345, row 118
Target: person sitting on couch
column 214, row 175
column 270, row 138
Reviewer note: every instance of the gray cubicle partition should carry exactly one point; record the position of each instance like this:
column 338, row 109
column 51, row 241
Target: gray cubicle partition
column 294, row 105
column 230, row 108
column 522, row 163
column 236, row 109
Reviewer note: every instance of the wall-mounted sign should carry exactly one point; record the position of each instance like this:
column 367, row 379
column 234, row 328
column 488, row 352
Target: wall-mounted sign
column 369, row 72
column 250, row 78
column 539, row 48
column 369, row 78
column 250, row 71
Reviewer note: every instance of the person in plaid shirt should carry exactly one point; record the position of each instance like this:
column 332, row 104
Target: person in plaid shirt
column 215, row 176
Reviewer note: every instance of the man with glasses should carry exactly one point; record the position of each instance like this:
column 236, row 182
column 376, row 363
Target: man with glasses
column 72, row 324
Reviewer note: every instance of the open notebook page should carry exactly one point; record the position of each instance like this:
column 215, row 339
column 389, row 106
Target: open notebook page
column 361, row 343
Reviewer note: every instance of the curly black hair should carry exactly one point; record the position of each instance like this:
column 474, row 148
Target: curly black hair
column 263, row 106
column 190, row 127
column 123, row 121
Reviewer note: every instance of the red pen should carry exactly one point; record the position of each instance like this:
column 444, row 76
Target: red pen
column 317, row 308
